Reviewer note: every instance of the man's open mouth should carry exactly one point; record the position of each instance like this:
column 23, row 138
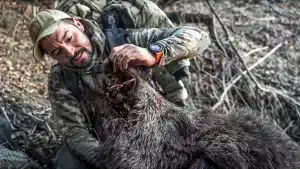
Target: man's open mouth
column 78, row 57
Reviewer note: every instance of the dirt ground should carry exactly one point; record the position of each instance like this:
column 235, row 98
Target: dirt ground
column 252, row 26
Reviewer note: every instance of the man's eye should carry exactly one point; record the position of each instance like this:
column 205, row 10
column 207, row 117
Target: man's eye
column 69, row 39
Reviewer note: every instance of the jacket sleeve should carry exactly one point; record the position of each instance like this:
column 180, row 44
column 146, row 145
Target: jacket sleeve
column 178, row 43
column 67, row 113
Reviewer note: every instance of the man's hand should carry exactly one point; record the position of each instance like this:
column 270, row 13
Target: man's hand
column 129, row 55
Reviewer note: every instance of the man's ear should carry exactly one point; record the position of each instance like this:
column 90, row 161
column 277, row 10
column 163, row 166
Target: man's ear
column 78, row 24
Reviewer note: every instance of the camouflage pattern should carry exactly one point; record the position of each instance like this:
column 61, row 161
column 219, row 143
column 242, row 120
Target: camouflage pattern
column 65, row 159
column 134, row 14
column 77, row 114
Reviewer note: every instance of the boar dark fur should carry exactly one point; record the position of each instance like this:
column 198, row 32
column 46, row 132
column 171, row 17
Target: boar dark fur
column 156, row 134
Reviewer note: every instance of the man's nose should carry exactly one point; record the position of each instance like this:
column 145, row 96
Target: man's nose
column 70, row 51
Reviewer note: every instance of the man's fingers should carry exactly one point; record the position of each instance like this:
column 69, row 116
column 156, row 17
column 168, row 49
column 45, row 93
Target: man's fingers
column 131, row 60
column 115, row 62
column 125, row 62
column 114, row 56
column 125, row 52
column 115, row 50
column 126, row 55
column 121, row 67
column 134, row 61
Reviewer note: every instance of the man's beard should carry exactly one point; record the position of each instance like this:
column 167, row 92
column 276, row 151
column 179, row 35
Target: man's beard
column 86, row 61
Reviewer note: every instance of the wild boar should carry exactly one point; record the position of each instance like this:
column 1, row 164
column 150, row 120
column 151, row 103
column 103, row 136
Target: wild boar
column 151, row 132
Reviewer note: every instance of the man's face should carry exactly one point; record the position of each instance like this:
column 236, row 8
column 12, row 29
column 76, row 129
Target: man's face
column 69, row 46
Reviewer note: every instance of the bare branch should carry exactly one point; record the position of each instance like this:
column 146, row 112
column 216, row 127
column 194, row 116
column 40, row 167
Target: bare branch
column 33, row 117
column 230, row 38
column 232, row 83
column 5, row 115
column 50, row 131
column 42, row 121
column 256, row 50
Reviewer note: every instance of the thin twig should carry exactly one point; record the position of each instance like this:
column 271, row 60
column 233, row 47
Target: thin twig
column 51, row 131
column 33, row 130
column 32, row 116
column 297, row 110
column 5, row 115
column 229, row 86
column 42, row 121
column 230, row 38
column 15, row 117
column 289, row 126
column 242, row 98
column 273, row 90
column 218, row 18
column 256, row 50
column 216, row 37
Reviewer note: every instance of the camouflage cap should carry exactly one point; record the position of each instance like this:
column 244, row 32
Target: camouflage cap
column 44, row 24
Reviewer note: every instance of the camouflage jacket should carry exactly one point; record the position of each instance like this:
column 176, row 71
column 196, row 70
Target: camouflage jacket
column 76, row 114
column 132, row 13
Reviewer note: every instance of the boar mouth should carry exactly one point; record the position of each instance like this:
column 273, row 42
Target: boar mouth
column 119, row 92
column 123, row 82
column 121, row 85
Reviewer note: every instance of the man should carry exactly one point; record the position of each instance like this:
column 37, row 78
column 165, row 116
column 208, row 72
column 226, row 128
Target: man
column 136, row 14
column 80, row 48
